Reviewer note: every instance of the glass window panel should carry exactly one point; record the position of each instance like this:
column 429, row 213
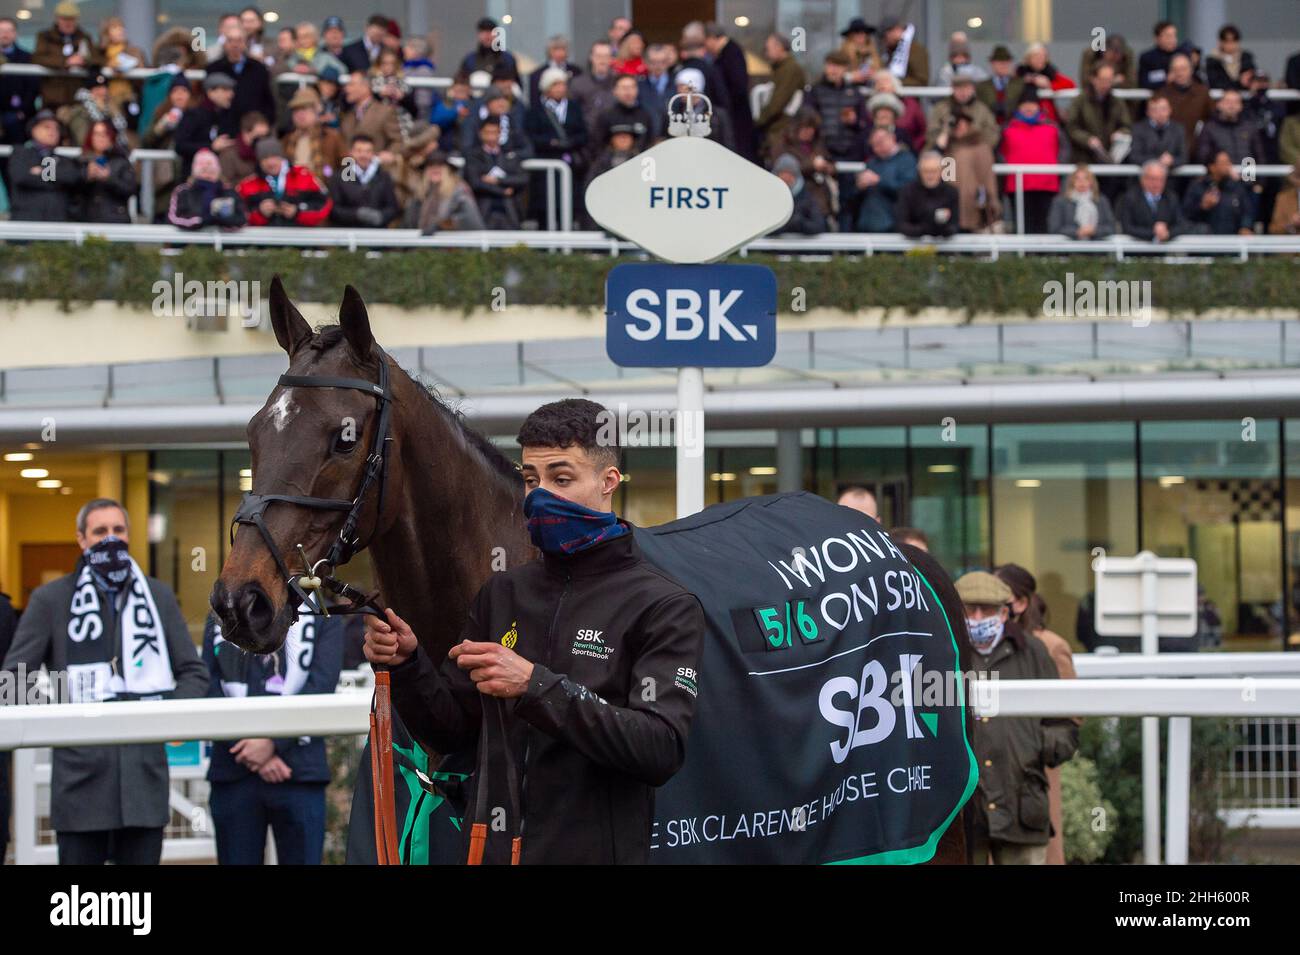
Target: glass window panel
column 875, row 458
column 949, row 498
column 185, row 528
column 1211, row 490
column 1059, row 491
column 1292, row 491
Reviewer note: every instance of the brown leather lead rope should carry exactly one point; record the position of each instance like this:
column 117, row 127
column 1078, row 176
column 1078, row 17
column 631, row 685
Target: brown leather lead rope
column 381, row 771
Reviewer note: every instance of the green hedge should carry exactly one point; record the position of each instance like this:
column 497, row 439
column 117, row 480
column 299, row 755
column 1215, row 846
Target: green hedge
column 465, row 280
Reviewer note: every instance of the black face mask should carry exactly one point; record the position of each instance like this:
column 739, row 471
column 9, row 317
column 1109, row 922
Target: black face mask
column 110, row 562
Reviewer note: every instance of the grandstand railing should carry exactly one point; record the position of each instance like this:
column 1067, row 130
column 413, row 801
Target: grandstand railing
column 347, row 713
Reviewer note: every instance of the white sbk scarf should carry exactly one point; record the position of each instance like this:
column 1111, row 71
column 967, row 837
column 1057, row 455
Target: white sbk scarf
column 902, row 52
column 99, row 667
column 299, row 649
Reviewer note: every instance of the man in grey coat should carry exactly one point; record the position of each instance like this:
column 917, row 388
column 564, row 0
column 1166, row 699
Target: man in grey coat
column 108, row 632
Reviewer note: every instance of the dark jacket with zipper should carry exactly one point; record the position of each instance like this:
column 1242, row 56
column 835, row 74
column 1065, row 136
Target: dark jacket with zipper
column 615, row 646
column 1014, row 752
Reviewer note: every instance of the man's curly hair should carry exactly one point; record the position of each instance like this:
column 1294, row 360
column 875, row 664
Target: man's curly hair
column 573, row 422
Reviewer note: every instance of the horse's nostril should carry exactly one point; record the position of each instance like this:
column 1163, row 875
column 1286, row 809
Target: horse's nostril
column 254, row 608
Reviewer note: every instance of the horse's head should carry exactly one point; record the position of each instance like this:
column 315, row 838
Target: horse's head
column 308, row 442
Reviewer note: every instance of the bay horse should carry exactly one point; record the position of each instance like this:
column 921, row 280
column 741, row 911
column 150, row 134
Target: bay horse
column 447, row 511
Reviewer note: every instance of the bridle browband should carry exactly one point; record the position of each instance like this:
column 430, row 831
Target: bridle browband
column 347, row 543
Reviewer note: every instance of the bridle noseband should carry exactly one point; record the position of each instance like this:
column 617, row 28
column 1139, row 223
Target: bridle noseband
column 347, row 543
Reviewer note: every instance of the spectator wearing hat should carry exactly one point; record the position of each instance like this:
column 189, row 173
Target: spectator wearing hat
column 802, row 139
column 282, row 194
column 64, row 46
column 840, row 107
column 42, row 184
column 107, row 179
column 1037, row 70
column 928, row 206
column 943, row 116
column 960, row 62
column 239, row 159
column 903, row 53
column 626, row 110
column 510, row 114
column 446, row 204
column 1080, row 211
column 203, row 200
column 17, row 93
column 252, row 78
column 1013, row 822
column 910, row 122
column 788, row 82
column 407, row 171
column 890, row 167
column 308, row 59
column 495, row 173
column 489, row 51
column 556, row 129
column 1158, row 137
column 1031, row 138
column 857, row 43
column 363, row 192
column 360, row 55
column 334, row 38
column 557, row 58
column 310, row 143
column 160, row 131
column 92, row 105
column 620, row 146
column 1000, row 92
column 808, row 217
column 1097, row 118
column 329, row 87
column 210, row 125
column 366, row 115
column 1029, row 612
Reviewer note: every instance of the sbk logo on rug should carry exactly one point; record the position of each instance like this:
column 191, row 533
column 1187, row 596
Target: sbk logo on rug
column 588, row 643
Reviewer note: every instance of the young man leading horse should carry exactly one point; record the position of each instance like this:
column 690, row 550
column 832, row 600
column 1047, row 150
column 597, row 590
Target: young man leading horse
column 575, row 680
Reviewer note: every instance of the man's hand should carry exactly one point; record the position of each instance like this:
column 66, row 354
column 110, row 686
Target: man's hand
column 253, row 753
column 1166, row 159
column 1210, row 199
column 497, row 670
column 222, row 142
column 267, row 208
column 275, row 770
column 388, row 642
column 288, row 210
column 1162, row 232
column 867, row 178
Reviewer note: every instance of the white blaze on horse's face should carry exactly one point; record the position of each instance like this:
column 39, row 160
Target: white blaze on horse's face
column 283, row 411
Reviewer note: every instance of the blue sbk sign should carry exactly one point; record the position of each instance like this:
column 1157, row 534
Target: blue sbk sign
column 675, row 316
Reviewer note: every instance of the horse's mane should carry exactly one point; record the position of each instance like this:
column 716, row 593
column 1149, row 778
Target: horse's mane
column 496, row 460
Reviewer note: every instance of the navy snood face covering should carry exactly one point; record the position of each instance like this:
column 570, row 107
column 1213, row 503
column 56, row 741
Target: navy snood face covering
column 560, row 526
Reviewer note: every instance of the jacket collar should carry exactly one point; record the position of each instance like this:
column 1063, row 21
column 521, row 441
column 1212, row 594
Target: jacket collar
column 617, row 553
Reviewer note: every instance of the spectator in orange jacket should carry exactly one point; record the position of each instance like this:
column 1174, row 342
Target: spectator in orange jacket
column 283, row 194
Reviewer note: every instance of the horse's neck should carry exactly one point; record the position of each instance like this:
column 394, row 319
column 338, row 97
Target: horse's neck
column 456, row 521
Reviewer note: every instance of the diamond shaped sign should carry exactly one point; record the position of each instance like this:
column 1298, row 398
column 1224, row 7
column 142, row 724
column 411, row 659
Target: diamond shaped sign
column 689, row 200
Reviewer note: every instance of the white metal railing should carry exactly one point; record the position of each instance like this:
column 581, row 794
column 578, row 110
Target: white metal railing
column 348, row 713
column 939, row 92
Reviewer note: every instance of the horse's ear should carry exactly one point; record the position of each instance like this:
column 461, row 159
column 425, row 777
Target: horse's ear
column 291, row 329
column 356, row 323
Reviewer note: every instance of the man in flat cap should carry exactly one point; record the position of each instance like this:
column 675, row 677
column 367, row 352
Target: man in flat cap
column 64, row 46
column 1013, row 824
column 210, row 125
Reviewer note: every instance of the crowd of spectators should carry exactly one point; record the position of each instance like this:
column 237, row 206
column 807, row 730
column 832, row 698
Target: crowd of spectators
column 302, row 128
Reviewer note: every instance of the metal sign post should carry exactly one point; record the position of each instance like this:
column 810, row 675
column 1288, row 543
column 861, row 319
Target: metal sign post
column 689, row 201
column 1153, row 597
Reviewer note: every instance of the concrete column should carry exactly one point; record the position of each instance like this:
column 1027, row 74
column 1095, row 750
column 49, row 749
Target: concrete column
column 139, row 18
column 417, row 18
column 1204, row 17
column 789, row 460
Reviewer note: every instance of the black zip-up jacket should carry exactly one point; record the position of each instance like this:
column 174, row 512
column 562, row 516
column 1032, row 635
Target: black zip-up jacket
column 615, row 646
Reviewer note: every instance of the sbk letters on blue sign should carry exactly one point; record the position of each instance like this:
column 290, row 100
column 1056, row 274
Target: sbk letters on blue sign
column 673, row 316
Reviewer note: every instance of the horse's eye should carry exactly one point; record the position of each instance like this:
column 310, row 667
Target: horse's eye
column 344, row 441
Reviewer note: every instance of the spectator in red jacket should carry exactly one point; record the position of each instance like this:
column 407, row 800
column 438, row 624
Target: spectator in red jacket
column 283, row 194
column 1030, row 137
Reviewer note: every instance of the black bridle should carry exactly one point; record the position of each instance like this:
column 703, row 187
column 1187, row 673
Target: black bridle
column 347, row 543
